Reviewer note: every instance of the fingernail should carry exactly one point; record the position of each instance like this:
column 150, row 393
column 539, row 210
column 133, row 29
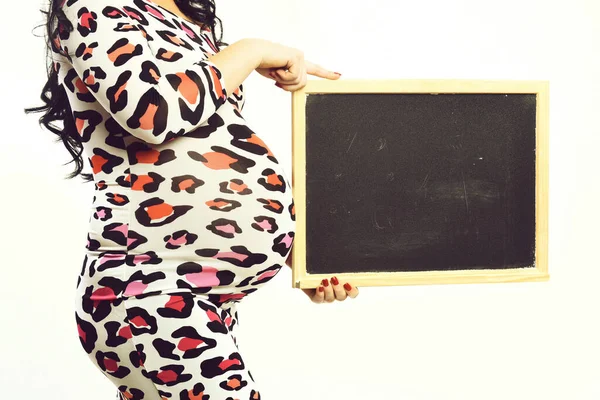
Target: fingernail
column 334, row 280
column 325, row 282
column 321, row 288
column 338, row 73
column 347, row 286
column 277, row 84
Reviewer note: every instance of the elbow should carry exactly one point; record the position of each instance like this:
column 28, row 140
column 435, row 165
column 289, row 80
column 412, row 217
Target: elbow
column 149, row 125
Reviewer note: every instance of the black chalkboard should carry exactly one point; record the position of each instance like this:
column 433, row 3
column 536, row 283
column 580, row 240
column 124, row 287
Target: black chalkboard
column 419, row 181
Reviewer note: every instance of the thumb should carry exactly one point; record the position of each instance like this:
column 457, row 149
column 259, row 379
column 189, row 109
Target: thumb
column 318, row 296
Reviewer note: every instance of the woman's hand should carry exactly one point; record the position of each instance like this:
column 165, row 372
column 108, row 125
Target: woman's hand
column 287, row 66
column 326, row 292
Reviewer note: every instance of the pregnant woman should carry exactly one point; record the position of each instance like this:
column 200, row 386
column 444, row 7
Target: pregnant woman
column 191, row 211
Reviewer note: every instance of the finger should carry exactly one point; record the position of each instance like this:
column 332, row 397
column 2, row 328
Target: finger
column 338, row 290
column 351, row 290
column 329, row 295
column 287, row 74
column 275, row 75
column 292, row 88
column 319, row 295
column 288, row 79
column 292, row 73
column 317, row 70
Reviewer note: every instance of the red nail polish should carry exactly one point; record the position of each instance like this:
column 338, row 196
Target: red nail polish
column 277, row 84
column 325, row 282
column 321, row 288
column 338, row 73
column 347, row 286
column 335, row 281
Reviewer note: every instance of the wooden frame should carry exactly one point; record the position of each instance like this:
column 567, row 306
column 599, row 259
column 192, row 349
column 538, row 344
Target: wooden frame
column 539, row 272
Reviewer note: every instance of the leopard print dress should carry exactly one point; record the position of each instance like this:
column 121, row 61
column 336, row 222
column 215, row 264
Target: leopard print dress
column 191, row 212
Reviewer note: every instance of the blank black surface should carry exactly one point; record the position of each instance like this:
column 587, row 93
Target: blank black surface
column 415, row 182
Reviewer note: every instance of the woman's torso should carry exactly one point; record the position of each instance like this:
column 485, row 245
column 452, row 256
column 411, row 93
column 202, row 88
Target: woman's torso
column 211, row 210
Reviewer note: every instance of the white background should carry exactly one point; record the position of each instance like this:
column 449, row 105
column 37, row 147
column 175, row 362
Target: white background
column 457, row 342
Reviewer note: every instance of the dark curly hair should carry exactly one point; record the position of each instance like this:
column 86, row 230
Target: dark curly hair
column 53, row 94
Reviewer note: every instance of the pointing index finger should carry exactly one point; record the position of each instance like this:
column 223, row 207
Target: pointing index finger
column 317, row 70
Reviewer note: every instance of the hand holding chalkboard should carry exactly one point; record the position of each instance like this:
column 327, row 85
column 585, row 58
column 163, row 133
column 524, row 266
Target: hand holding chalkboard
column 328, row 293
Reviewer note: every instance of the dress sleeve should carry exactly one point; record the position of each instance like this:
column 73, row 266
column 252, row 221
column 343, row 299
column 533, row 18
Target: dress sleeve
column 242, row 101
column 113, row 58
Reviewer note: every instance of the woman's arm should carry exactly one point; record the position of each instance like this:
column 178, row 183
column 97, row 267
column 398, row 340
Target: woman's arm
column 237, row 61
column 113, row 59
